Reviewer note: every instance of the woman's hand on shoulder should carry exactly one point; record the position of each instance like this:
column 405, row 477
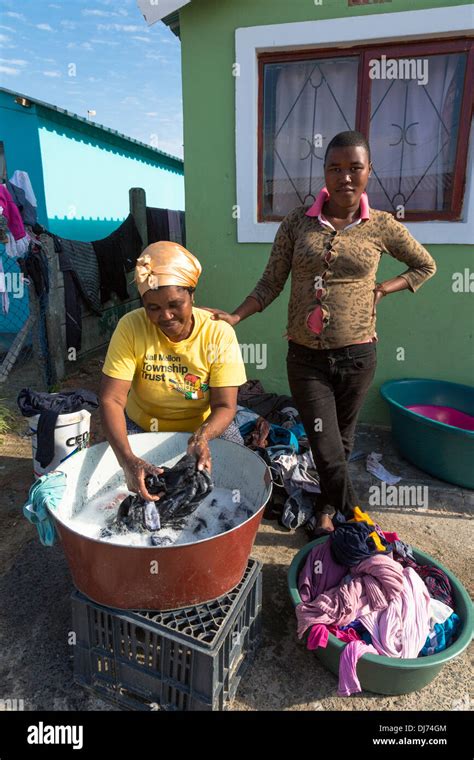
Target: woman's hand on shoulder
column 231, row 319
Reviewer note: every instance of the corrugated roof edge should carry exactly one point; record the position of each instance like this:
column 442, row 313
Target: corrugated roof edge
column 172, row 20
column 94, row 125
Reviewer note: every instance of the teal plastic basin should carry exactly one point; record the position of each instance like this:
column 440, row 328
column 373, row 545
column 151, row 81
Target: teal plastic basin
column 389, row 675
column 445, row 451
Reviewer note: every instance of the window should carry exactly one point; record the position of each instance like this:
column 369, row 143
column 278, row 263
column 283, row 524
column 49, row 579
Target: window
column 413, row 102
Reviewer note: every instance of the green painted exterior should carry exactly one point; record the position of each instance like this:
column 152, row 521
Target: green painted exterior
column 434, row 326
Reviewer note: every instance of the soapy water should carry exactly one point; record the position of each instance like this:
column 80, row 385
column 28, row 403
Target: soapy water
column 218, row 513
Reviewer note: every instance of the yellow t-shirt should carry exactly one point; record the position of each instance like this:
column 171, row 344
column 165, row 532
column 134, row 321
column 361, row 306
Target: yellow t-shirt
column 171, row 380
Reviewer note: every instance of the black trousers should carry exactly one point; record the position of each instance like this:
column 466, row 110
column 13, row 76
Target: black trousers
column 329, row 387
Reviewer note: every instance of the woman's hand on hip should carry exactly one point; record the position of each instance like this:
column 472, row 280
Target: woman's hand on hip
column 136, row 470
column 231, row 319
column 378, row 295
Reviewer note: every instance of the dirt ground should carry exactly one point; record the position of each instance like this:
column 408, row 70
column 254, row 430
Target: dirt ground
column 35, row 586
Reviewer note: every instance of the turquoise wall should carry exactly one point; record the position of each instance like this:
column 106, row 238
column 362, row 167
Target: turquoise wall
column 81, row 176
column 19, row 133
column 87, row 182
column 434, row 326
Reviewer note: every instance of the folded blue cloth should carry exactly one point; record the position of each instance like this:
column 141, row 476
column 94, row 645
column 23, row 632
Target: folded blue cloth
column 46, row 492
column 441, row 636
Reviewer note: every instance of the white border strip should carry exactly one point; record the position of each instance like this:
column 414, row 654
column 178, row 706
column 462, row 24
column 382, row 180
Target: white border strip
column 346, row 32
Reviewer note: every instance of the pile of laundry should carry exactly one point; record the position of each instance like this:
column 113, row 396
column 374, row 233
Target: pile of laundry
column 365, row 587
column 270, row 425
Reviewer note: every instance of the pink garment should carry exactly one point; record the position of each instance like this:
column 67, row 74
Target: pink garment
column 391, row 537
column 375, row 582
column 383, row 579
column 401, row 629
column 10, row 211
column 317, row 206
column 319, row 573
column 319, row 635
column 315, row 320
column 348, row 681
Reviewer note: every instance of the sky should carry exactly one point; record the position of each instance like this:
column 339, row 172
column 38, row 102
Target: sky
column 96, row 55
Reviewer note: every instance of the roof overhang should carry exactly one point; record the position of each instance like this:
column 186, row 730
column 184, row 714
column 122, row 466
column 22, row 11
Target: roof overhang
column 158, row 11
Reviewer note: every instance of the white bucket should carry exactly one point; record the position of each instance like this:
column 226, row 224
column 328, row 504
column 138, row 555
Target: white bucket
column 70, row 435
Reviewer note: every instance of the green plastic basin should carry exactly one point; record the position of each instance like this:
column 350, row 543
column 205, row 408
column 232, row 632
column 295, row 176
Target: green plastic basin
column 442, row 450
column 389, row 675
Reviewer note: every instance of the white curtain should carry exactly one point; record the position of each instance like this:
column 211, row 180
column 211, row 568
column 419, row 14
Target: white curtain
column 429, row 115
column 311, row 98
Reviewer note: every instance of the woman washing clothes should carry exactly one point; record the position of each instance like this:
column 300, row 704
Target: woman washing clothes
column 169, row 366
column 332, row 251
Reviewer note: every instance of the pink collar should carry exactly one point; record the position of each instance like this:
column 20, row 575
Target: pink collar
column 317, row 207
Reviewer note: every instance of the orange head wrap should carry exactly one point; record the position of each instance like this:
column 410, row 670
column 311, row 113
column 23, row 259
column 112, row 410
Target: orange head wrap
column 166, row 263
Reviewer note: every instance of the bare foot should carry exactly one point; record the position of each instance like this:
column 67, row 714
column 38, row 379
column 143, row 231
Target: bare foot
column 323, row 525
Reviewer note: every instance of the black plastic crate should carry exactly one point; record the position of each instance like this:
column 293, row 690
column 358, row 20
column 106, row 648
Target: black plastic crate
column 187, row 659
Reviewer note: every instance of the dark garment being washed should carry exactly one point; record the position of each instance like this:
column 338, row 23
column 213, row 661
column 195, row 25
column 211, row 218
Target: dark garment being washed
column 117, row 254
column 78, row 263
column 49, row 406
column 183, row 487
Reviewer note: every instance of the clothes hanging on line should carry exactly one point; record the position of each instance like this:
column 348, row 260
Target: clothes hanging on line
column 157, row 225
column 10, row 211
column 174, row 223
column 17, row 248
column 78, row 263
column 4, row 231
column 35, row 266
column 22, row 193
column 117, row 254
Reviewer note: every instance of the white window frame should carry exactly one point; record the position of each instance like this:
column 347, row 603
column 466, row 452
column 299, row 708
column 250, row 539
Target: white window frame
column 433, row 23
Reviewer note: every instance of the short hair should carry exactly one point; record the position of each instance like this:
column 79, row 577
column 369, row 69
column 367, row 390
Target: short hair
column 348, row 139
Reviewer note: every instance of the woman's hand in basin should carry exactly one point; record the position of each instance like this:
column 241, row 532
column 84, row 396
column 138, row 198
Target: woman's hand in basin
column 136, row 470
column 198, row 446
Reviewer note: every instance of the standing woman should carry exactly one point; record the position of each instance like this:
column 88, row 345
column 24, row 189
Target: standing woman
column 332, row 251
